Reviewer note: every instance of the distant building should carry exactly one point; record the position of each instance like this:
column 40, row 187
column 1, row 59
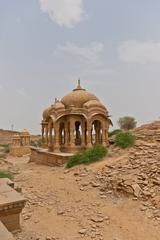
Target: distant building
column 20, row 144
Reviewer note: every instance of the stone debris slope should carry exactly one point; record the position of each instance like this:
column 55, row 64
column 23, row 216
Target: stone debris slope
column 148, row 132
column 138, row 173
column 105, row 200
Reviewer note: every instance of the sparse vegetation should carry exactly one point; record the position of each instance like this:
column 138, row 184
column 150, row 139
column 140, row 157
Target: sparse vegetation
column 125, row 139
column 127, row 123
column 6, row 147
column 36, row 143
column 87, row 156
column 114, row 132
column 5, row 174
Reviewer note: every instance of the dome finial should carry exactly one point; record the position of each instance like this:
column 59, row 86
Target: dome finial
column 78, row 85
column 79, row 82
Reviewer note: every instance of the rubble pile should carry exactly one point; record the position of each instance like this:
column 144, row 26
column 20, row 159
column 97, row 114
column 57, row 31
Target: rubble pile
column 137, row 174
column 139, row 177
column 148, row 132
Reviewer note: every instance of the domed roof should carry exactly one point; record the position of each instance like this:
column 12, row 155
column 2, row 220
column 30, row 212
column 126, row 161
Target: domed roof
column 58, row 105
column 94, row 103
column 46, row 112
column 24, row 132
column 78, row 97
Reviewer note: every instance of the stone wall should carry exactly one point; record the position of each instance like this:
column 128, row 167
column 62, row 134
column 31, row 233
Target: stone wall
column 19, row 151
column 44, row 157
column 6, row 136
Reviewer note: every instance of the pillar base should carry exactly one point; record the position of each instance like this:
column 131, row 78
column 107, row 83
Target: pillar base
column 56, row 150
column 89, row 145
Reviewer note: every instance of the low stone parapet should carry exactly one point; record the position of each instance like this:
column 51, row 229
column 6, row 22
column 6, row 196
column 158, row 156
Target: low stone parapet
column 11, row 205
column 42, row 156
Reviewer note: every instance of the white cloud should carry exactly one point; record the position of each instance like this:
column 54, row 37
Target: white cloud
column 64, row 12
column 140, row 52
column 90, row 55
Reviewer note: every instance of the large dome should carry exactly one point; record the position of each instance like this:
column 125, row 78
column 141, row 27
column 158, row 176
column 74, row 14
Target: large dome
column 78, row 97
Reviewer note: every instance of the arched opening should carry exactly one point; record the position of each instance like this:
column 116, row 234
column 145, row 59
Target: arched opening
column 78, row 133
column 96, row 132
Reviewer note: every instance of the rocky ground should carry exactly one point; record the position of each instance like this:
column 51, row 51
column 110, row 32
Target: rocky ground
column 80, row 204
column 117, row 198
column 136, row 175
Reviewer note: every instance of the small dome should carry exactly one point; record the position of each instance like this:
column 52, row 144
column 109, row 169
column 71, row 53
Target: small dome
column 78, row 97
column 46, row 112
column 25, row 132
column 94, row 103
column 59, row 105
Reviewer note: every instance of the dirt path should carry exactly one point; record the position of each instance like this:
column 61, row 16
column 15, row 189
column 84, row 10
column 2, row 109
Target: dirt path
column 64, row 205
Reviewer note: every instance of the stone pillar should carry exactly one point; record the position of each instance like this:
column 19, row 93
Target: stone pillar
column 99, row 135
column 104, row 144
column 50, row 144
column 83, row 135
column 56, row 143
column 89, row 138
column 96, row 134
column 46, row 135
column 72, row 129
column 107, row 140
column 66, row 135
column 25, row 141
column 43, row 138
column 28, row 141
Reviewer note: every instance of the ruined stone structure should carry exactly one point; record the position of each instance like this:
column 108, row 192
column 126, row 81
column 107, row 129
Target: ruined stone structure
column 11, row 205
column 20, row 144
column 78, row 121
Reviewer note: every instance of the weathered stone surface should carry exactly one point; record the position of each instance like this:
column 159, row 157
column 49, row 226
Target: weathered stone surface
column 11, row 205
column 140, row 175
column 4, row 233
column 20, row 144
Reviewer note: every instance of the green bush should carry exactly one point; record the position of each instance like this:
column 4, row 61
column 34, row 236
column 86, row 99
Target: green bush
column 5, row 174
column 114, row 132
column 87, row 156
column 125, row 139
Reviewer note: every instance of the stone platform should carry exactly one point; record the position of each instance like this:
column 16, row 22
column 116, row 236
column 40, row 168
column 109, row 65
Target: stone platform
column 4, row 233
column 44, row 157
column 11, row 205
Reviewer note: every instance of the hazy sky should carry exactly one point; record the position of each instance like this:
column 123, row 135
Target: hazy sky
column 46, row 45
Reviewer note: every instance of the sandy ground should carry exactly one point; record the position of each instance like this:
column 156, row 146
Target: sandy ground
column 64, row 205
